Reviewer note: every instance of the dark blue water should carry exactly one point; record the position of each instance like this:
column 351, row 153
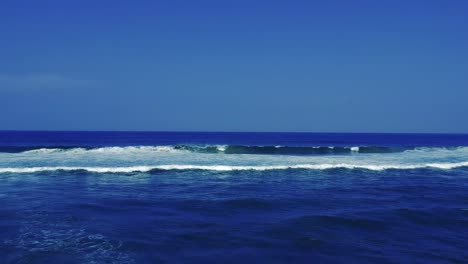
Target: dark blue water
column 405, row 206
column 70, row 138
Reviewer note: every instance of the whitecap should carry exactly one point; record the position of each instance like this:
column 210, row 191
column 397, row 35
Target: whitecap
column 375, row 167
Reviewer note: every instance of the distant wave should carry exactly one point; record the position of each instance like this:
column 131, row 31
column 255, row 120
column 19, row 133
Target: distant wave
column 443, row 166
column 288, row 150
column 110, row 150
column 223, row 149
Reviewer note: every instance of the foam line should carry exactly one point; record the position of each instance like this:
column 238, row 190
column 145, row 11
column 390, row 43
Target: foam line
column 227, row 149
column 443, row 166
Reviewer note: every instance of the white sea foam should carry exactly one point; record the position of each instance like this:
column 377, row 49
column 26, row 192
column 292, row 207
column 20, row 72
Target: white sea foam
column 355, row 149
column 106, row 150
column 46, row 150
column 220, row 148
column 374, row 167
column 439, row 149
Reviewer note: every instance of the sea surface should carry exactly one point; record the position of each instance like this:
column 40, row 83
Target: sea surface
column 173, row 197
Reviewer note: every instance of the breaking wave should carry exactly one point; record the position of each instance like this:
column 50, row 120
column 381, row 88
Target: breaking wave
column 376, row 167
column 221, row 149
column 104, row 150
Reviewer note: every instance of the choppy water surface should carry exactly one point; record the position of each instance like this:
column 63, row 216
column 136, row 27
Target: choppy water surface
column 121, row 197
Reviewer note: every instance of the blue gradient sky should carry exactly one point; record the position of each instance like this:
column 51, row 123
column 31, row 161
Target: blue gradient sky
column 333, row 66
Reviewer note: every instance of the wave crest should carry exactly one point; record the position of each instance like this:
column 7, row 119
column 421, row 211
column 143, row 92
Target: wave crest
column 223, row 149
column 380, row 167
column 109, row 150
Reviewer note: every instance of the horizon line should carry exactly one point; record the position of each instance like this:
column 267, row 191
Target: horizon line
column 201, row 131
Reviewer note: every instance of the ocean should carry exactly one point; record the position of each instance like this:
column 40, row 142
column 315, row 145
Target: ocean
column 205, row 197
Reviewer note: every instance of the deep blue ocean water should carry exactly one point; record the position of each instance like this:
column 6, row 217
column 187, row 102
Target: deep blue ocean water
column 170, row 197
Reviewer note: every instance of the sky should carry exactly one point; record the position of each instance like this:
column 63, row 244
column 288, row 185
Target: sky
column 243, row 65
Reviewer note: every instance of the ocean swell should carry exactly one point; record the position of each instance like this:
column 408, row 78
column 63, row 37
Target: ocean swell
column 223, row 149
column 374, row 167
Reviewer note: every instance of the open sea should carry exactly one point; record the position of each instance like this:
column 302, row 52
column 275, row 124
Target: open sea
column 183, row 197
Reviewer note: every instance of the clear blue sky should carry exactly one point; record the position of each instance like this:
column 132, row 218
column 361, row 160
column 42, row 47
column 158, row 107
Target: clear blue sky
column 320, row 66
